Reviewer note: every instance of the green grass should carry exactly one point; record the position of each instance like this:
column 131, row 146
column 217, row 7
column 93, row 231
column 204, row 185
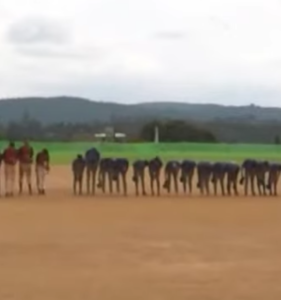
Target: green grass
column 63, row 153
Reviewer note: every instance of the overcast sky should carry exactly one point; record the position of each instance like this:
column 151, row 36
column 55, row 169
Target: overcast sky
column 220, row 51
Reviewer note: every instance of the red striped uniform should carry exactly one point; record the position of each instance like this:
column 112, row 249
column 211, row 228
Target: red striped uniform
column 25, row 154
column 10, row 156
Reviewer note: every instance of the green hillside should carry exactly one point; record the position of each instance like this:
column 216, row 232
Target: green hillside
column 71, row 109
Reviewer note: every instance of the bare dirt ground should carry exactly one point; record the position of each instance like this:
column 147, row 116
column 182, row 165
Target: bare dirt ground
column 65, row 247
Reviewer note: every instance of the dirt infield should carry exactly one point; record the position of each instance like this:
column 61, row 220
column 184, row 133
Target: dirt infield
column 65, row 247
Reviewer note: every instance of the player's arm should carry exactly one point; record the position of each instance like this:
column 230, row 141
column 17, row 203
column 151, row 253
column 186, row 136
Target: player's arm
column 37, row 158
column 73, row 165
column 31, row 152
column 4, row 155
column 18, row 153
column 47, row 159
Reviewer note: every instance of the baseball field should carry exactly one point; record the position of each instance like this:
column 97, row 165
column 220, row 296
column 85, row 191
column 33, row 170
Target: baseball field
column 61, row 246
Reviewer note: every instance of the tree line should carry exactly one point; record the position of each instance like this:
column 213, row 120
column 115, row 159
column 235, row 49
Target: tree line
column 142, row 130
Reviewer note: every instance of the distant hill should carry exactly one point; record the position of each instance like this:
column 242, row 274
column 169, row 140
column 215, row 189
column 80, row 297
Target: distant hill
column 71, row 109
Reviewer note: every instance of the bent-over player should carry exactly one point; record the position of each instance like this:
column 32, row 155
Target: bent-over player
column 78, row 167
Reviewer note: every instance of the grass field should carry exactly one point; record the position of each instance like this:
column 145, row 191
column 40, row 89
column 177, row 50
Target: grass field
column 63, row 153
column 105, row 247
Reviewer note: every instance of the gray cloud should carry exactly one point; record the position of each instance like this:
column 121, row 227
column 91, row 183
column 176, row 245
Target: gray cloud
column 220, row 22
column 32, row 31
column 169, row 35
column 46, row 38
column 53, row 52
column 202, row 55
